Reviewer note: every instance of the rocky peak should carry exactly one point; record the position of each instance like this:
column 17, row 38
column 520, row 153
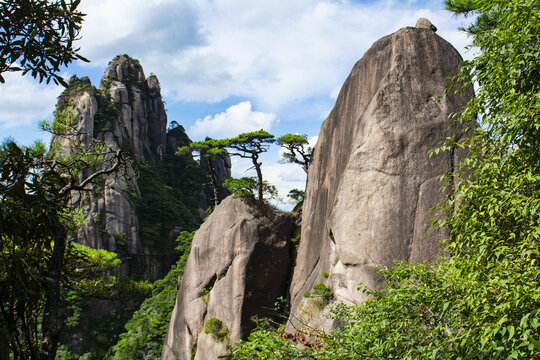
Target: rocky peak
column 74, row 80
column 424, row 23
column 141, row 128
column 126, row 113
column 125, row 69
column 371, row 184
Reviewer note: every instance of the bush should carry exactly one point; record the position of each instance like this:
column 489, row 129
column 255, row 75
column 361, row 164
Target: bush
column 145, row 332
column 217, row 330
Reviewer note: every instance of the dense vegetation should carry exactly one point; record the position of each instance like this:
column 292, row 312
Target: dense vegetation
column 483, row 301
column 42, row 273
column 170, row 196
column 145, row 332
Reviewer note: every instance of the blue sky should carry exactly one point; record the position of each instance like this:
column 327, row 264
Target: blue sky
column 230, row 66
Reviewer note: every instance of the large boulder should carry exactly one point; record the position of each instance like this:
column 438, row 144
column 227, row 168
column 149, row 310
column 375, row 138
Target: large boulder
column 371, row 183
column 239, row 265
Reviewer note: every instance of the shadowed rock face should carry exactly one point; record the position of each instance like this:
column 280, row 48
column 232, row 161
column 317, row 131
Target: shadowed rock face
column 142, row 113
column 126, row 113
column 238, row 266
column 371, row 184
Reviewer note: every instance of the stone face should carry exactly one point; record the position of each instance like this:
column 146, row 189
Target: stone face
column 126, row 113
column 143, row 123
column 238, row 266
column 424, row 23
column 371, row 184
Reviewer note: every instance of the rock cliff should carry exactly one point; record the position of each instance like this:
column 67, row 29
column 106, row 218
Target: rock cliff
column 371, row 184
column 238, row 266
column 127, row 113
column 137, row 216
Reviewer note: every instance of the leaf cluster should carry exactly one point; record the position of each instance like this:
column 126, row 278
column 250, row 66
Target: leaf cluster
column 37, row 37
column 247, row 186
column 297, row 150
column 39, row 268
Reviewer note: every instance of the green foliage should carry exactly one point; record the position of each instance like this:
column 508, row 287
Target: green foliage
column 296, row 151
column 296, row 239
column 36, row 37
column 168, row 200
column 244, row 186
column 296, row 196
column 321, row 291
column 246, row 145
column 41, row 273
column 217, row 329
column 145, row 332
column 120, row 238
column 247, row 186
column 316, row 300
column 483, row 302
column 205, row 294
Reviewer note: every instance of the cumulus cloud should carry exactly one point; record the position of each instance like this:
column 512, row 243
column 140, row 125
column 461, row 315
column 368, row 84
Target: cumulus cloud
column 274, row 52
column 284, row 177
column 23, row 100
column 236, row 119
column 152, row 30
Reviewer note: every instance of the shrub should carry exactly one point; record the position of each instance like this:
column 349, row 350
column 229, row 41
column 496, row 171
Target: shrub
column 217, row 330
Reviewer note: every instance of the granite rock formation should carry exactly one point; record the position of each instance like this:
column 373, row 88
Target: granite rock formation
column 137, row 216
column 238, row 266
column 126, row 113
column 371, row 183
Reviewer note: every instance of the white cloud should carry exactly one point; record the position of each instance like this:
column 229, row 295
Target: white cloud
column 23, row 100
column 152, row 30
column 285, row 177
column 274, row 53
column 236, row 119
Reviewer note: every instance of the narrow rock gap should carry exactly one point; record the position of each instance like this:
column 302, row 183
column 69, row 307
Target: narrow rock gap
column 331, row 234
column 211, row 282
column 410, row 240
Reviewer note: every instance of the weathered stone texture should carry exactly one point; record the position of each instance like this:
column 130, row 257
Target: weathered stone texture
column 143, row 123
column 240, row 257
column 371, row 184
column 126, row 114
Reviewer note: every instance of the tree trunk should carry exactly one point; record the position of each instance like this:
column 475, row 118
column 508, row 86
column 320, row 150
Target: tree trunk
column 259, row 176
column 4, row 343
column 50, row 324
column 215, row 184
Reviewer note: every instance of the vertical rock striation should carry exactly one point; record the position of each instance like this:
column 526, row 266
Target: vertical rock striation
column 126, row 113
column 238, row 266
column 136, row 216
column 143, row 121
column 371, row 184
